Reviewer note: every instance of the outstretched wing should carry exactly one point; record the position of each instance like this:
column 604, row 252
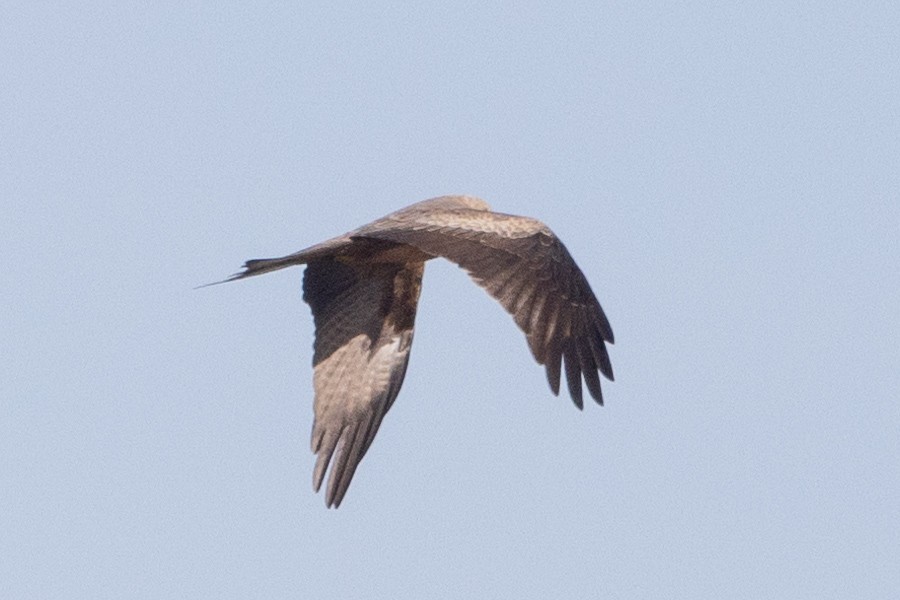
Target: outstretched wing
column 522, row 264
column 364, row 316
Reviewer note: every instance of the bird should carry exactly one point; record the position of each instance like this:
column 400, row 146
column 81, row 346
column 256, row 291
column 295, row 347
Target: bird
column 363, row 290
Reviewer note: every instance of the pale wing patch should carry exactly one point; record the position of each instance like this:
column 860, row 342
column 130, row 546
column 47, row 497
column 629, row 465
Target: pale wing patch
column 382, row 364
column 354, row 389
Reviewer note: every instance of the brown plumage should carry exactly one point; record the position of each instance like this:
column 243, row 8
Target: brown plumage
column 363, row 289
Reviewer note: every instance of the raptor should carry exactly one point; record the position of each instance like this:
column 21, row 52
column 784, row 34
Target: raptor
column 363, row 288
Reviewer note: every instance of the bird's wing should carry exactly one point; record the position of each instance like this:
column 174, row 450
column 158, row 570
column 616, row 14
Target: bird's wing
column 364, row 316
column 522, row 264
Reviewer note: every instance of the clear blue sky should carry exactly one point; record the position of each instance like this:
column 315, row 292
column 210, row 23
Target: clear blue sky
column 726, row 174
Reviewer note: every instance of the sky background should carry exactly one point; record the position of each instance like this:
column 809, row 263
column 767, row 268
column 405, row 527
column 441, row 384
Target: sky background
column 726, row 175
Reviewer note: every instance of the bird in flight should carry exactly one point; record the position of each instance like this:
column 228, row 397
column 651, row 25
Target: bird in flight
column 363, row 289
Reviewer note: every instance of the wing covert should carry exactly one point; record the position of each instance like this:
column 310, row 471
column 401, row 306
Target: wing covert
column 523, row 265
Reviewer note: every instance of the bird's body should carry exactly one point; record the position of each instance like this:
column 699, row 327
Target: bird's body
column 363, row 288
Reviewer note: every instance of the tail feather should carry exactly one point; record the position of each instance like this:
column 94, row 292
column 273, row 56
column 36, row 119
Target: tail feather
column 258, row 266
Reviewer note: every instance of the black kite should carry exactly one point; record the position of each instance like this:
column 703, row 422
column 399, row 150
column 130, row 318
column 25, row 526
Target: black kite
column 363, row 289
